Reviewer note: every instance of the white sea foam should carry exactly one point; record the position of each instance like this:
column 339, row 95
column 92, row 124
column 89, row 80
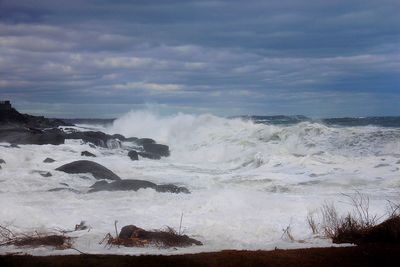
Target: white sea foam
column 248, row 181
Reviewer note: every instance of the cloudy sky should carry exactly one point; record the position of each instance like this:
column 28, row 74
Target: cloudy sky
column 99, row 58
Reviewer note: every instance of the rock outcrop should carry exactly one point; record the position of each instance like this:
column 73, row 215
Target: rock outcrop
column 48, row 160
column 87, row 154
column 133, row 155
column 97, row 138
column 85, row 166
column 157, row 149
column 31, row 136
column 13, row 118
column 17, row 128
column 134, row 185
column 149, row 155
column 133, row 236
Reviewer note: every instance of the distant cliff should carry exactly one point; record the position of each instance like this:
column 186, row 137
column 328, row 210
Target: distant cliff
column 12, row 118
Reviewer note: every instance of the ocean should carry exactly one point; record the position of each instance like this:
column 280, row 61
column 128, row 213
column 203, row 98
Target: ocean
column 251, row 179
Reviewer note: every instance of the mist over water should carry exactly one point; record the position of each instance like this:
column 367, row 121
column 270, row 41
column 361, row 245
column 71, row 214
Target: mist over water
column 214, row 139
column 249, row 180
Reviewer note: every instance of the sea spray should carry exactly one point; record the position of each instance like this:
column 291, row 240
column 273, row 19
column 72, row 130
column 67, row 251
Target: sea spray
column 248, row 180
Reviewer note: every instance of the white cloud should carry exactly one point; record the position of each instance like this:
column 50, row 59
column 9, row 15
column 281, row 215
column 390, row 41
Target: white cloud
column 124, row 62
column 148, row 86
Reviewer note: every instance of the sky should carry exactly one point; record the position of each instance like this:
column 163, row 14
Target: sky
column 100, row 59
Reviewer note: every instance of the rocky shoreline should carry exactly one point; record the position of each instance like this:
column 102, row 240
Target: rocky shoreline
column 23, row 129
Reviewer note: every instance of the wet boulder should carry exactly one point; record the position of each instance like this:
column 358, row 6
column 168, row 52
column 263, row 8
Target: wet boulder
column 43, row 173
column 131, row 139
column 133, row 236
column 87, row 154
column 133, row 155
column 135, row 185
column 157, row 149
column 59, row 189
column 143, row 141
column 171, row 188
column 121, row 185
column 48, row 160
column 149, row 155
column 96, row 138
column 120, row 137
column 31, row 136
column 85, row 166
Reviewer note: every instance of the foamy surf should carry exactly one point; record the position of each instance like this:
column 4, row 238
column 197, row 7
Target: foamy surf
column 249, row 181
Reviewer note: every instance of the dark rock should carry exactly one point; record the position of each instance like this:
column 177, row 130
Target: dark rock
column 48, row 160
column 119, row 137
column 157, row 149
column 131, row 139
column 129, row 231
column 81, row 226
column 45, row 174
column 84, row 177
column 143, row 141
column 134, row 185
column 64, row 189
column 14, row 146
column 31, row 136
column 13, row 118
column 149, row 155
column 121, row 185
column 85, row 166
column 131, row 235
column 96, row 138
column 113, row 143
column 71, row 130
column 87, row 154
column 2, row 161
column 172, row 189
column 133, row 155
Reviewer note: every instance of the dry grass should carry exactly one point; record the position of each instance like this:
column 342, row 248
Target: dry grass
column 7, row 238
column 312, row 223
column 132, row 236
column 287, row 233
column 393, row 209
column 358, row 226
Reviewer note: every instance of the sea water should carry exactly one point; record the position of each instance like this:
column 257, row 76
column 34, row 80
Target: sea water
column 251, row 180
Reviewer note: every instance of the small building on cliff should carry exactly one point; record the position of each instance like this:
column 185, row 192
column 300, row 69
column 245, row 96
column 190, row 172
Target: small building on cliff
column 5, row 105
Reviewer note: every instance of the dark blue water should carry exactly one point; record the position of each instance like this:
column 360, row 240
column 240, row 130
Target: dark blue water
column 393, row 121
column 361, row 121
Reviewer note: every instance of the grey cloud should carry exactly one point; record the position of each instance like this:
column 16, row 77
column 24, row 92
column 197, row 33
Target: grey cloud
column 199, row 53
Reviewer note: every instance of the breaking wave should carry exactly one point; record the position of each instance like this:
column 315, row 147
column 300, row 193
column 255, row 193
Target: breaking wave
column 241, row 142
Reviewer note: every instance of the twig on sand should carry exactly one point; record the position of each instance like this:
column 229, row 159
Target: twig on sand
column 180, row 224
